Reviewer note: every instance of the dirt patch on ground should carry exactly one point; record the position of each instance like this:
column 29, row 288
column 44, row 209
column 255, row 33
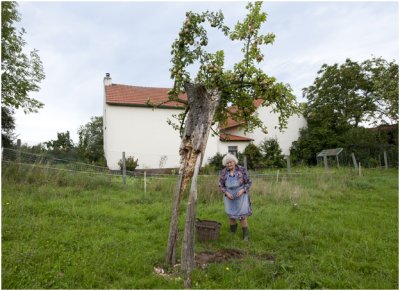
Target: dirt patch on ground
column 202, row 259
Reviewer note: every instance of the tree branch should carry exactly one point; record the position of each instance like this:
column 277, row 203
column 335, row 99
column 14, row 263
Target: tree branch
column 183, row 121
column 216, row 133
column 176, row 99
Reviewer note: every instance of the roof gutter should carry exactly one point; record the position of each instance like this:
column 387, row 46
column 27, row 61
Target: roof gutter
column 145, row 106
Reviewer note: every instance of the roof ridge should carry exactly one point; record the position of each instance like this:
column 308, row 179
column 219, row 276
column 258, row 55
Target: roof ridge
column 145, row 87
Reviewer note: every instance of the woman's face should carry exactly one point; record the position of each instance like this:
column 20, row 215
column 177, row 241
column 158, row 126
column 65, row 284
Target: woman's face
column 230, row 165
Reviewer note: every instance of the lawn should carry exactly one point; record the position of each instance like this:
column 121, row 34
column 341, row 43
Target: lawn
column 315, row 230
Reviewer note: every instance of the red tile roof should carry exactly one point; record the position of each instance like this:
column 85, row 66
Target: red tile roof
column 117, row 94
column 231, row 137
column 232, row 123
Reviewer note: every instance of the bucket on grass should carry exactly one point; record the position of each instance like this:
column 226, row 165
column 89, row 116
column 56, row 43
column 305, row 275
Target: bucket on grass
column 207, row 229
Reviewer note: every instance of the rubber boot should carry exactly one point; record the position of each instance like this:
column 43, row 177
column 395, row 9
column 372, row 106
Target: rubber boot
column 233, row 228
column 245, row 233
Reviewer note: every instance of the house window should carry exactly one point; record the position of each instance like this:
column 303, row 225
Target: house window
column 233, row 150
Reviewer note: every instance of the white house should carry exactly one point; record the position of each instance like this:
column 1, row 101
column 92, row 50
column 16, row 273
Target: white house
column 133, row 126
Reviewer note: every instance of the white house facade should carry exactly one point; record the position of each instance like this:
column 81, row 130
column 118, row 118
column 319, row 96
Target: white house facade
column 131, row 124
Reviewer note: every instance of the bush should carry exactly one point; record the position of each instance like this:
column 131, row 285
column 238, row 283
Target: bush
column 130, row 163
column 216, row 161
column 367, row 144
column 272, row 153
column 254, row 157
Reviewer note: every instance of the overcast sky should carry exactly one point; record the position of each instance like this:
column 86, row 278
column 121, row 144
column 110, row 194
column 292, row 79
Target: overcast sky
column 79, row 42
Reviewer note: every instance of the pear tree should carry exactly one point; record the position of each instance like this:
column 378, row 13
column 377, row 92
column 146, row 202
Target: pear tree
column 214, row 93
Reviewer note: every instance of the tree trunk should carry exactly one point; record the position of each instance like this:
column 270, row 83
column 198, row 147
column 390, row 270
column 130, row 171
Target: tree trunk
column 202, row 104
column 187, row 256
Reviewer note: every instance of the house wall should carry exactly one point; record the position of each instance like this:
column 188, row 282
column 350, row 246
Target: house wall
column 285, row 137
column 223, row 146
column 141, row 132
column 145, row 134
column 270, row 120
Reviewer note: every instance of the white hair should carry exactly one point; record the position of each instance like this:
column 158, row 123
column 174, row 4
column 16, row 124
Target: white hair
column 228, row 158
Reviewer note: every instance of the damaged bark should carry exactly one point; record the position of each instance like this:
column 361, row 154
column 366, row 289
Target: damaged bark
column 202, row 104
column 187, row 255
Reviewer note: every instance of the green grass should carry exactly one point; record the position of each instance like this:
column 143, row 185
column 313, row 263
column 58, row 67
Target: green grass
column 326, row 231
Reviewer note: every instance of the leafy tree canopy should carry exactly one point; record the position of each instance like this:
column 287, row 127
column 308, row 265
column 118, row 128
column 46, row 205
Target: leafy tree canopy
column 346, row 95
column 239, row 86
column 21, row 73
column 90, row 146
column 384, row 79
column 343, row 98
column 253, row 155
column 272, row 153
column 63, row 144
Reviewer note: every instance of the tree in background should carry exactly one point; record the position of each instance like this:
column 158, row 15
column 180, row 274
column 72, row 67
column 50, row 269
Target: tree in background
column 62, row 147
column 272, row 154
column 7, row 127
column 384, row 79
column 209, row 96
column 253, row 155
column 346, row 95
column 90, row 145
column 342, row 98
column 21, row 73
column 339, row 97
column 39, row 148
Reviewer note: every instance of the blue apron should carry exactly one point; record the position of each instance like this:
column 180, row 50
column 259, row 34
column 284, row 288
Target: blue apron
column 239, row 207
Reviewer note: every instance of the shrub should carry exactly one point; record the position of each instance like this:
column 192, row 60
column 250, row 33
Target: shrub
column 130, row 163
column 216, row 161
column 254, row 157
column 272, row 153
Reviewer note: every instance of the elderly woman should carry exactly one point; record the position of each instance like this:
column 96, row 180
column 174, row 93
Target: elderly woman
column 235, row 183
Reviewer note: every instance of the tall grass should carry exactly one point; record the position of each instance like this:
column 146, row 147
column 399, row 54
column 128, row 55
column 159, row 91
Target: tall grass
column 63, row 230
column 36, row 174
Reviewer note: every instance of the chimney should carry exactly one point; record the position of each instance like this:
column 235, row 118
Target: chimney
column 107, row 80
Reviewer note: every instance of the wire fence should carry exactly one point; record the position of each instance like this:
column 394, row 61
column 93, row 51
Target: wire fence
column 12, row 155
column 154, row 181
column 383, row 156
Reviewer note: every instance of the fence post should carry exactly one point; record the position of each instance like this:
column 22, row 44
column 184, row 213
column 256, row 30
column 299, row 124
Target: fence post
column 145, row 184
column 245, row 161
column 385, row 159
column 354, row 161
column 359, row 169
column 123, row 169
column 18, row 151
column 326, row 162
column 288, row 164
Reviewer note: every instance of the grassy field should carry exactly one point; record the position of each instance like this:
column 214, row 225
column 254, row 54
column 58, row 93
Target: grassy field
column 314, row 231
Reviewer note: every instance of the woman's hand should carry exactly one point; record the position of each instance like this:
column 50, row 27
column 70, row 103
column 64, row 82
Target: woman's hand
column 229, row 195
column 240, row 193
